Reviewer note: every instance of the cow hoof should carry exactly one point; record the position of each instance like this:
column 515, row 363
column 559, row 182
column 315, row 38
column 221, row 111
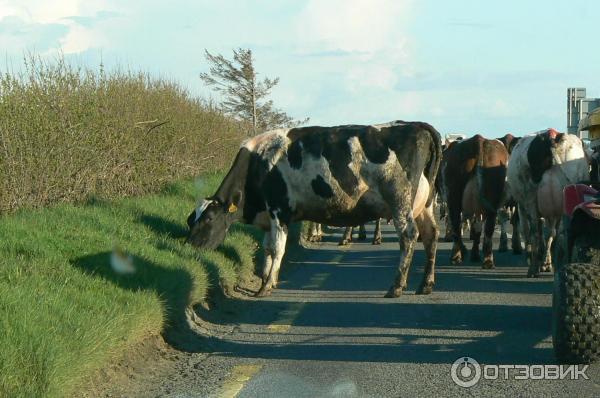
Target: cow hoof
column 456, row 260
column 377, row 241
column 475, row 257
column 425, row 289
column 488, row 264
column 547, row 267
column 502, row 248
column 344, row 242
column 263, row 292
column 362, row 236
column 393, row 292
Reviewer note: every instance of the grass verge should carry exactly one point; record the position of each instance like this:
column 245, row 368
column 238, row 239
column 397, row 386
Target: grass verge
column 64, row 313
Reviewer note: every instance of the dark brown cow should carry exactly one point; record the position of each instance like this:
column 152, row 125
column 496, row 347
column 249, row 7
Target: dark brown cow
column 474, row 173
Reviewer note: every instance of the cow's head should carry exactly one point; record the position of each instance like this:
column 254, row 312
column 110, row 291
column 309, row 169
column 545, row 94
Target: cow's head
column 210, row 221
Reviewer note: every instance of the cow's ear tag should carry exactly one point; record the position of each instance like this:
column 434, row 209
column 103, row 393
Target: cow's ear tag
column 232, row 208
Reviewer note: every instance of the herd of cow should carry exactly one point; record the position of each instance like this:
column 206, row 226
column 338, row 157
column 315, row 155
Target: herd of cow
column 349, row 175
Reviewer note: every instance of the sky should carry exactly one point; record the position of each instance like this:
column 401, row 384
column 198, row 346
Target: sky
column 464, row 66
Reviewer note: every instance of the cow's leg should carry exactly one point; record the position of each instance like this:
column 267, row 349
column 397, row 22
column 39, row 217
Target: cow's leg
column 516, row 233
column 362, row 232
column 319, row 230
column 552, row 226
column 268, row 254
column 429, row 232
column 488, row 233
column 466, row 225
column 454, row 212
column 443, row 206
column 347, row 236
column 503, row 220
column 540, row 249
column 278, row 237
column 377, row 233
column 407, row 237
column 532, row 229
column 314, row 232
column 525, row 222
column 476, row 236
column 448, row 236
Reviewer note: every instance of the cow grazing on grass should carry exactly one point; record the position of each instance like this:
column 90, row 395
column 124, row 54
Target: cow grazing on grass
column 474, row 172
column 339, row 176
column 540, row 167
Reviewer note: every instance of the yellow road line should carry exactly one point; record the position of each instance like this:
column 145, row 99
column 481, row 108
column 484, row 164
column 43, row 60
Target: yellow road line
column 279, row 328
column 316, row 281
column 286, row 317
column 338, row 258
column 240, row 374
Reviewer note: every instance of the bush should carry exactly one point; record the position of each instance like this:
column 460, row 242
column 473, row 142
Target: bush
column 68, row 133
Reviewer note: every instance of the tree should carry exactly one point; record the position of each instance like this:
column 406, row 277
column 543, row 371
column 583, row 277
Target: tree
column 244, row 95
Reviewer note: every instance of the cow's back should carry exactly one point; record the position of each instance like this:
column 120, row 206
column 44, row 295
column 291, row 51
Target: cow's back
column 343, row 173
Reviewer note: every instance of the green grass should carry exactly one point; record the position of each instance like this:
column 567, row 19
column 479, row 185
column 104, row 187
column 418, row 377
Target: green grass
column 64, row 313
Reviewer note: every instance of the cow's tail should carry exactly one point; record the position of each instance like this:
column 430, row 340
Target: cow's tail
column 491, row 174
column 433, row 163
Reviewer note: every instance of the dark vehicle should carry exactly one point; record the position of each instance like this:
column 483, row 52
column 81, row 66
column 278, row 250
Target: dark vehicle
column 576, row 296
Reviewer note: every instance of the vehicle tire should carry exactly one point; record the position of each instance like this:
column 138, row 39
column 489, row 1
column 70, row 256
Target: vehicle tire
column 576, row 313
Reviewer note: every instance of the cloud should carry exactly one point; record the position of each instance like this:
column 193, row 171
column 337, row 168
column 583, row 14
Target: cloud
column 353, row 25
column 40, row 25
column 357, row 51
column 17, row 35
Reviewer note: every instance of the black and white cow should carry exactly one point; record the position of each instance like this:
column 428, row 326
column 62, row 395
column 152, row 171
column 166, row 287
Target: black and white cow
column 540, row 167
column 339, row 176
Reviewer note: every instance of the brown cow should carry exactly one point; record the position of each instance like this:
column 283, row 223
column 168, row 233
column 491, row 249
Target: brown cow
column 474, row 173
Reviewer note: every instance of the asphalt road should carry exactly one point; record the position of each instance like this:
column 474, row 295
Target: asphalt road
column 327, row 331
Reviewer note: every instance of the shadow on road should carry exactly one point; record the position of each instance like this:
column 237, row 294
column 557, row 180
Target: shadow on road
column 346, row 319
column 502, row 334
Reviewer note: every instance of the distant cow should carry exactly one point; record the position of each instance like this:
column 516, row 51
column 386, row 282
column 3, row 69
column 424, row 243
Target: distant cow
column 474, row 172
column 362, row 234
column 339, row 176
column 540, row 167
column 315, row 233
